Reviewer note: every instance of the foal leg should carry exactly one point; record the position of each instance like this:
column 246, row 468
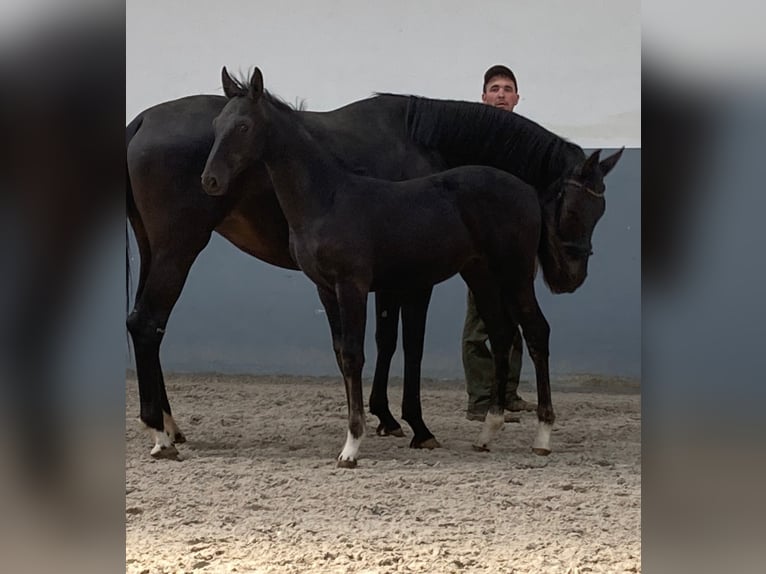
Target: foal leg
column 352, row 301
column 414, row 311
column 537, row 334
column 332, row 310
column 350, row 357
column 487, row 295
column 387, row 307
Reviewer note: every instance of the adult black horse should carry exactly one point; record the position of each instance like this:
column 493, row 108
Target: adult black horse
column 388, row 136
column 352, row 234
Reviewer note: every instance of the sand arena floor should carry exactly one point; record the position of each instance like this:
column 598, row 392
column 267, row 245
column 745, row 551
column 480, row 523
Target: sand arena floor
column 258, row 491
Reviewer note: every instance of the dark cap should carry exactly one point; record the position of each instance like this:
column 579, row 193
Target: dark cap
column 499, row 70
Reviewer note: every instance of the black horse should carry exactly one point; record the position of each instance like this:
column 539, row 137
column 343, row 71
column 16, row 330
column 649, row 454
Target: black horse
column 389, row 136
column 352, row 234
column 173, row 221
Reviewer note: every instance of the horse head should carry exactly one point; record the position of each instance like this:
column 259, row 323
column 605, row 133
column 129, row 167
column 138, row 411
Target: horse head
column 240, row 131
column 571, row 219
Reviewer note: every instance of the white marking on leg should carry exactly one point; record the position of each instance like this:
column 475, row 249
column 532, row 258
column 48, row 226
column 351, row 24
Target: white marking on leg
column 171, row 427
column 543, row 440
column 492, row 425
column 161, row 442
column 351, row 448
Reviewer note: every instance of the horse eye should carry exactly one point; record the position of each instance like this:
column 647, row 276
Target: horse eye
column 243, row 127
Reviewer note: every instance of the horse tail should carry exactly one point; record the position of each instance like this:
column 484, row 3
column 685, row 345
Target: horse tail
column 133, row 218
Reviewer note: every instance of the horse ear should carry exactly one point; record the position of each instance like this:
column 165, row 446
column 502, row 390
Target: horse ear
column 256, row 84
column 590, row 163
column 607, row 164
column 230, row 87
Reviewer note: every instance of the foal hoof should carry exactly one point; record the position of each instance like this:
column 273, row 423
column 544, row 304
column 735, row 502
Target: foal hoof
column 179, row 438
column 480, row 447
column 429, row 443
column 541, row 451
column 166, row 452
column 346, row 463
column 383, row 430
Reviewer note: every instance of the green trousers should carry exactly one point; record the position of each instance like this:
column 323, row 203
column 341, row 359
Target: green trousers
column 478, row 364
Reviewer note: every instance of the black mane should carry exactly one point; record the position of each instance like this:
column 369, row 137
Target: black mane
column 243, row 85
column 470, row 132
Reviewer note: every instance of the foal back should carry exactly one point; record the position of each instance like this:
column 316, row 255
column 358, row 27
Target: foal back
column 423, row 231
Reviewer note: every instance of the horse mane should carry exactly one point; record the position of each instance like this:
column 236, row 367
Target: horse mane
column 473, row 133
column 243, row 84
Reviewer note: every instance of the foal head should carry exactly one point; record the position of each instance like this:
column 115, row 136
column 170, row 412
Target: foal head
column 241, row 131
column 578, row 207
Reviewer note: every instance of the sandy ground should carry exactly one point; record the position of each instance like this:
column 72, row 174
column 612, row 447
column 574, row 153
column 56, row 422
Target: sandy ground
column 258, row 491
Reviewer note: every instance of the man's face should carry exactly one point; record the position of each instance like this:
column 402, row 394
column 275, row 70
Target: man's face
column 501, row 93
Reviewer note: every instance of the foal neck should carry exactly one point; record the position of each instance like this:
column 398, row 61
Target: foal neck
column 305, row 176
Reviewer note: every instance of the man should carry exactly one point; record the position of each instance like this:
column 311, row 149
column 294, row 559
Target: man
column 500, row 90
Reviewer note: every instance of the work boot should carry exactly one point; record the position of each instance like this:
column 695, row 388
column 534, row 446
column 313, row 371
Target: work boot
column 518, row 404
column 480, row 415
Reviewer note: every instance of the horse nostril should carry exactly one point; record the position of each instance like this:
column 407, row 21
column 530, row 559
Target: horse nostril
column 209, row 182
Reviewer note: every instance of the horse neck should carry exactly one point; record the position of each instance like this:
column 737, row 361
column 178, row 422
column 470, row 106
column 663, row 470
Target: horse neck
column 548, row 165
column 304, row 175
column 470, row 133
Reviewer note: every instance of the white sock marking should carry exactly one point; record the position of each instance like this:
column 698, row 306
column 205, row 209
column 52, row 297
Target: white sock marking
column 492, row 425
column 543, row 440
column 170, row 424
column 161, row 441
column 351, row 448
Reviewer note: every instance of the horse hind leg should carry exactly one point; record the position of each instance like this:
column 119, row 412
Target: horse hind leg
column 414, row 312
column 387, row 306
column 146, row 324
column 537, row 335
column 147, row 336
column 500, row 340
column 489, row 303
column 171, row 427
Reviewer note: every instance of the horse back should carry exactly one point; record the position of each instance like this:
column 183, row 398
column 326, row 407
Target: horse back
column 500, row 211
column 369, row 138
column 183, row 125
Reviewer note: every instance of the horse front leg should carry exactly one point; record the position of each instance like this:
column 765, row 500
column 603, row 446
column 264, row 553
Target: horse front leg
column 332, row 310
column 414, row 312
column 537, row 335
column 352, row 303
column 387, row 305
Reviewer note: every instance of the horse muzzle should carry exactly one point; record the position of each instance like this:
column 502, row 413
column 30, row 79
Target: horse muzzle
column 212, row 185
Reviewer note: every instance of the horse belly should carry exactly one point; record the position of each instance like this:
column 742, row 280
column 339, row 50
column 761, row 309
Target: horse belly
column 267, row 242
column 421, row 261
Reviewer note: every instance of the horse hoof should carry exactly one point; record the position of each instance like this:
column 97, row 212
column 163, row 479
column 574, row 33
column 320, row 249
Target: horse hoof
column 179, row 438
column 346, row 463
column 382, row 430
column 541, row 451
column 166, row 453
column 480, row 447
column 429, row 443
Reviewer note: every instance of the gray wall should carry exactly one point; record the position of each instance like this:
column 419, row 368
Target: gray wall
column 238, row 314
column 578, row 63
column 578, row 66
